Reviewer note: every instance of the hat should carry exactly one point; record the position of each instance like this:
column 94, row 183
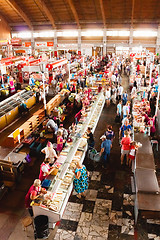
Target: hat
column 103, row 137
column 61, row 125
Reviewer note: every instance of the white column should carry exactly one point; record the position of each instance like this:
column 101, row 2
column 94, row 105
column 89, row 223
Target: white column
column 104, row 41
column 55, row 41
column 158, row 40
column 32, row 43
column 79, row 41
column 131, row 39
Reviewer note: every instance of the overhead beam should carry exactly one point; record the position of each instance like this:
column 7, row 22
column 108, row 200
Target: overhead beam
column 43, row 7
column 103, row 13
column 132, row 15
column 20, row 12
column 70, row 2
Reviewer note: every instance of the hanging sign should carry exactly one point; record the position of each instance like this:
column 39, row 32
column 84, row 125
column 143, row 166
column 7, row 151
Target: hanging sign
column 50, row 44
column 27, row 44
column 16, row 42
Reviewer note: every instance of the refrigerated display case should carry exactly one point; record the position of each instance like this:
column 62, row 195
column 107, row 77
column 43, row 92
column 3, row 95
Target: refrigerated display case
column 62, row 183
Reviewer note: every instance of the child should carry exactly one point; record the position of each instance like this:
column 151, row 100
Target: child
column 132, row 153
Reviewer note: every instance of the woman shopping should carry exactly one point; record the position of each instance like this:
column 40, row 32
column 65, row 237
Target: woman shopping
column 80, row 180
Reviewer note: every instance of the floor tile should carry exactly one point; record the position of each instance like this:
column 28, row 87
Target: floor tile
column 96, row 176
column 63, row 234
column 93, row 184
column 91, row 194
column 102, row 206
column 88, row 206
column 68, row 225
column 73, row 211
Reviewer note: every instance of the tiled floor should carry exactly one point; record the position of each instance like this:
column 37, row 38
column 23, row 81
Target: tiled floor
column 107, row 211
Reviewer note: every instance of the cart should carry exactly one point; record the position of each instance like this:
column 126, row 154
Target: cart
column 94, row 155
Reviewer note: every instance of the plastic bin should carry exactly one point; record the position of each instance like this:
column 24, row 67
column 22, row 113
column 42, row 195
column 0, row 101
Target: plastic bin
column 41, row 226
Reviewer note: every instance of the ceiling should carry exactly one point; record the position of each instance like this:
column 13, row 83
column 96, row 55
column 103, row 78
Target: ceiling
column 63, row 14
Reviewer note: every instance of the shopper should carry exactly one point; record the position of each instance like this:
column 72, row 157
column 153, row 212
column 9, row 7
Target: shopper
column 124, row 127
column 108, row 96
column 126, row 140
column 60, row 142
column 64, row 131
column 124, row 99
column 80, row 180
column 132, row 152
column 34, row 192
column 109, row 133
column 105, row 150
column 125, row 111
column 120, row 92
column 50, row 152
column 51, row 124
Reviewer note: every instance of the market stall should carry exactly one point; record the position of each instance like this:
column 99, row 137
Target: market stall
column 62, row 183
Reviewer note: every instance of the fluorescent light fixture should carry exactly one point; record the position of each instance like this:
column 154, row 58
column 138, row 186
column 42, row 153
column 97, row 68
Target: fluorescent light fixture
column 137, row 49
column 144, row 33
column 122, row 48
column 24, row 34
column 69, row 33
column 90, row 33
column 118, row 33
column 43, row 34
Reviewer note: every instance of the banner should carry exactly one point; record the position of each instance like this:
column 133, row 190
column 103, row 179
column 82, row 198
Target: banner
column 50, row 44
column 16, row 42
column 27, row 44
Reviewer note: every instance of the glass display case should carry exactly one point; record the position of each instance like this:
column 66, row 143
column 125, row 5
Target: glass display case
column 62, row 184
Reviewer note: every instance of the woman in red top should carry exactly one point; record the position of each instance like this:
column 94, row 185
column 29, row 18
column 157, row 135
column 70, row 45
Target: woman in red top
column 44, row 169
column 33, row 193
column 126, row 140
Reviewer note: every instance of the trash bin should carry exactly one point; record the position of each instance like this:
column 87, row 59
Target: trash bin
column 41, row 227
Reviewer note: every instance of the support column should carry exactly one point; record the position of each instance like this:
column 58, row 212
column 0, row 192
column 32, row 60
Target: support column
column 104, row 41
column 55, row 43
column 158, row 40
column 131, row 39
column 32, row 43
column 79, row 42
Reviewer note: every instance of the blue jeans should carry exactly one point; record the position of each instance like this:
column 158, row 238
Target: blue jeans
column 105, row 158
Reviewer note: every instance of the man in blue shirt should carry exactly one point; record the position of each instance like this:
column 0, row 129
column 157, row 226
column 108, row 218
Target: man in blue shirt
column 124, row 127
column 105, row 150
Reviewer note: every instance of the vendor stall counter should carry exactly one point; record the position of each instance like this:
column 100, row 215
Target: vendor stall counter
column 62, row 184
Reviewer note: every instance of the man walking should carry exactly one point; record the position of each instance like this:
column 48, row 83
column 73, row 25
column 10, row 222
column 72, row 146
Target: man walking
column 105, row 150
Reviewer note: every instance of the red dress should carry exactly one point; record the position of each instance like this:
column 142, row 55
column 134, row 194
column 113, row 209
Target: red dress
column 42, row 175
column 33, row 190
column 60, row 145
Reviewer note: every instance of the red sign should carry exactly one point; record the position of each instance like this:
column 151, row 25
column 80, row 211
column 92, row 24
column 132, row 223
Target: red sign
column 16, row 42
column 27, row 44
column 49, row 44
column 79, row 53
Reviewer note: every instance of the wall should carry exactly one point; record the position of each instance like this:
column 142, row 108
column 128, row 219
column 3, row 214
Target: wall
column 5, row 33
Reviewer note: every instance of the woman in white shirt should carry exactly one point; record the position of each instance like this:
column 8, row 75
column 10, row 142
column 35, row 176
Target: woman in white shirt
column 49, row 152
column 108, row 96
